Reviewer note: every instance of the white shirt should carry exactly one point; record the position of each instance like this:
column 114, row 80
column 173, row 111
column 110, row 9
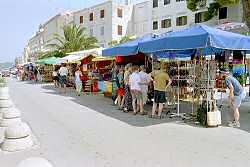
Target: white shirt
column 63, row 71
column 54, row 73
column 145, row 79
column 134, row 81
column 78, row 76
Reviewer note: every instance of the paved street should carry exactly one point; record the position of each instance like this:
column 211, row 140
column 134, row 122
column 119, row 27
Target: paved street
column 88, row 131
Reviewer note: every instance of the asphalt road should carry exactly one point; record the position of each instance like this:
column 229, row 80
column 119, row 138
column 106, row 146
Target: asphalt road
column 89, row 132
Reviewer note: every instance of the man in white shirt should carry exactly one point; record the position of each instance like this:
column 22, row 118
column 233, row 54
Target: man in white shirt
column 134, row 82
column 63, row 71
column 145, row 79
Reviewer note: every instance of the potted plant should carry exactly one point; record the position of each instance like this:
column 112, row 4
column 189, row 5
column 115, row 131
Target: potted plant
column 4, row 91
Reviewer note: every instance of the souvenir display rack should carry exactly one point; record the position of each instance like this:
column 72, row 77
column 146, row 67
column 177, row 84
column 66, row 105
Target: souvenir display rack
column 48, row 70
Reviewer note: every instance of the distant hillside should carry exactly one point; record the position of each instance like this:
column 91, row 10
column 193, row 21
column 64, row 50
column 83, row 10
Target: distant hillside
column 5, row 65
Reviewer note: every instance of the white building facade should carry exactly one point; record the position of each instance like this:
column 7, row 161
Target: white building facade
column 106, row 21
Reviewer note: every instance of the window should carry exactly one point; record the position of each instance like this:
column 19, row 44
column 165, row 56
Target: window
column 166, row 23
column 155, row 3
column 91, row 16
column 102, row 14
column 119, row 30
column 166, row 2
column 102, row 30
column 200, row 17
column 155, row 25
column 81, row 19
column 119, row 13
column 223, row 13
column 181, row 21
column 179, row 0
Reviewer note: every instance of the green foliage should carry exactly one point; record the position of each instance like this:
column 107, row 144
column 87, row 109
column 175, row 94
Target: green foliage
column 54, row 53
column 213, row 7
column 74, row 39
column 3, row 82
column 124, row 39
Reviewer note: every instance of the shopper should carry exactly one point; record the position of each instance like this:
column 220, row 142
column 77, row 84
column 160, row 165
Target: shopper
column 55, row 78
column 161, row 83
column 114, row 83
column 128, row 96
column 134, row 82
column 145, row 79
column 63, row 72
column 78, row 81
column 121, row 90
column 236, row 95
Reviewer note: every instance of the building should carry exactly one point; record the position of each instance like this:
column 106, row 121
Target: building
column 44, row 36
column 106, row 21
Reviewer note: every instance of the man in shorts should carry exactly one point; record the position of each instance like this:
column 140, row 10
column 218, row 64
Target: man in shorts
column 236, row 95
column 161, row 82
column 134, row 82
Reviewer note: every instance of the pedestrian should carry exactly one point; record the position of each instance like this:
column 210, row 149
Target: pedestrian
column 78, row 81
column 55, row 77
column 236, row 95
column 63, row 72
column 128, row 96
column 145, row 80
column 134, row 82
column 121, row 90
column 161, row 82
column 35, row 73
column 114, row 83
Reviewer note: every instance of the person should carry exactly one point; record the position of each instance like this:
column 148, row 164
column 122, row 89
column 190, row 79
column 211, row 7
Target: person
column 145, row 79
column 120, row 91
column 35, row 73
column 236, row 95
column 161, row 82
column 114, row 83
column 134, row 82
column 128, row 96
column 78, row 81
column 63, row 71
column 55, row 77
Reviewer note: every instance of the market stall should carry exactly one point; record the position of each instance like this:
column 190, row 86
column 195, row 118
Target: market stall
column 203, row 39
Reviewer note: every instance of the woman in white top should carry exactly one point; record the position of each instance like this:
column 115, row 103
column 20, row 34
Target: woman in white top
column 78, row 81
column 63, row 72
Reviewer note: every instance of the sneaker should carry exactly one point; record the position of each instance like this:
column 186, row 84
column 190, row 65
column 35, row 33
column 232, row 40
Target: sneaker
column 234, row 124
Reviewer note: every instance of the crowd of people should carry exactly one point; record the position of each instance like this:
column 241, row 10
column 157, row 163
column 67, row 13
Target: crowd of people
column 132, row 85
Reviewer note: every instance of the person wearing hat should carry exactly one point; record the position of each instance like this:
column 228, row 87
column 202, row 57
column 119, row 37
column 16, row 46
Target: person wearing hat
column 236, row 95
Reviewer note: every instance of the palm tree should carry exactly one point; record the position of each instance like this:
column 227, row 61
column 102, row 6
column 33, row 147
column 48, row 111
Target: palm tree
column 74, row 39
column 124, row 39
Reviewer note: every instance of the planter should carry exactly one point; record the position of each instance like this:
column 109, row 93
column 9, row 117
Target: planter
column 12, row 145
column 212, row 119
column 35, row 162
column 17, row 131
column 4, row 93
column 9, row 122
column 5, row 103
column 12, row 113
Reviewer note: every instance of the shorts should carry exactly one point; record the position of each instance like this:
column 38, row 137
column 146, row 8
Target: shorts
column 78, row 86
column 136, row 95
column 144, row 97
column 62, row 80
column 159, row 96
column 121, row 92
column 238, row 99
column 56, row 78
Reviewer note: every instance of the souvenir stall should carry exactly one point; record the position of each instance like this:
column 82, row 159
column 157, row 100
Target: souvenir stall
column 203, row 39
column 102, row 74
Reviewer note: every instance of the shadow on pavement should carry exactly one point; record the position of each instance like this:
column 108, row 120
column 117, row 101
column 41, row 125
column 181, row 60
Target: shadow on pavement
column 104, row 105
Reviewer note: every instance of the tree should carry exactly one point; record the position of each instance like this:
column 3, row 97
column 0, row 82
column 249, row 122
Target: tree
column 124, row 39
column 214, row 7
column 74, row 39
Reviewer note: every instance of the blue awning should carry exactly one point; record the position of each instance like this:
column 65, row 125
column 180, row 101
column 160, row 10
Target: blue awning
column 200, row 36
column 129, row 48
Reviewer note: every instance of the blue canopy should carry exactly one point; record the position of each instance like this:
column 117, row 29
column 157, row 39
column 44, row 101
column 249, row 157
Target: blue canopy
column 128, row 48
column 200, row 36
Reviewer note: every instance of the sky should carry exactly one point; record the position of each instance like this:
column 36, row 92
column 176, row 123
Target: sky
column 20, row 20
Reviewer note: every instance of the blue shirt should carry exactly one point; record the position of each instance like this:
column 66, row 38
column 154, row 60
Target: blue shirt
column 238, row 89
